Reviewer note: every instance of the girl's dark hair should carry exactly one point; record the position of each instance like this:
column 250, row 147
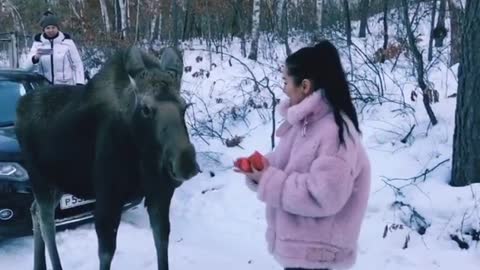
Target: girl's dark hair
column 321, row 64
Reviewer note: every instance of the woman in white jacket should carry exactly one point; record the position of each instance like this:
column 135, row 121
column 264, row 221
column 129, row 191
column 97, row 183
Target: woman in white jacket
column 54, row 54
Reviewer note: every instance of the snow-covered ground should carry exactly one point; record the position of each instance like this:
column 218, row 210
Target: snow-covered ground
column 217, row 223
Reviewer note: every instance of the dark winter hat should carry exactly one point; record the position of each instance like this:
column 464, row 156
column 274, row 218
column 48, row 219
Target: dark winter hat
column 49, row 19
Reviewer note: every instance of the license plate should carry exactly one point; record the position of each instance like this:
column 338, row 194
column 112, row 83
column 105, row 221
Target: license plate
column 69, row 201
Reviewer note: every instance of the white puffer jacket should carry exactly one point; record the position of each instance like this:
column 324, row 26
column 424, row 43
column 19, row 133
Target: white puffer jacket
column 65, row 61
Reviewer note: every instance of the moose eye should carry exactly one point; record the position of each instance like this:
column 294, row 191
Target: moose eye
column 147, row 111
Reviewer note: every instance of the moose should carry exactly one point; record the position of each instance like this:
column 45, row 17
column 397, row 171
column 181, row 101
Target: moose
column 121, row 136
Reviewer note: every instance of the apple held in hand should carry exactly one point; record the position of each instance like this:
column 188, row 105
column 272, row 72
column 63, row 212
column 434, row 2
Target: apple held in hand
column 243, row 164
column 255, row 160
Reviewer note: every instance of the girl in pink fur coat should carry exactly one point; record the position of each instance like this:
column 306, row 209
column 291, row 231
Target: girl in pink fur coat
column 316, row 182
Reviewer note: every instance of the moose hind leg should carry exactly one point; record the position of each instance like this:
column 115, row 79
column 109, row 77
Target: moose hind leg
column 39, row 262
column 46, row 204
column 158, row 211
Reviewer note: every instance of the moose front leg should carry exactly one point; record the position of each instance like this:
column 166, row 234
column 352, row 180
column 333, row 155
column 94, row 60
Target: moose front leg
column 107, row 220
column 158, row 210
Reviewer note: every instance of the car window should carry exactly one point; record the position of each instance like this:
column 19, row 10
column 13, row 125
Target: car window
column 10, row 93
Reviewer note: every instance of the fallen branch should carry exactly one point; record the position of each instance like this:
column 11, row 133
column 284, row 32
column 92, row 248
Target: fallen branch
column 415, row 178
column 404, row 140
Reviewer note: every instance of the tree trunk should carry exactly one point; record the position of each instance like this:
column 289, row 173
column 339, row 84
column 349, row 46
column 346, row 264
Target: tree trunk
column 456, row 15
column 239, row 17
column 319, row 14
column 127, row 8
column 284, row 23
column 122, row 5
column 348, row 25
column 418, row 62
column 279, row 15
column 440, row 31
column 175, row 23
column 385, row 27
column 153, row 24
column 137, row 22
column 117, row 16
column 159, row 25
column 255, row 30
column 432, row 25
column 363, row 18
column 106, row 19
column 186, row 20
column 466, row 138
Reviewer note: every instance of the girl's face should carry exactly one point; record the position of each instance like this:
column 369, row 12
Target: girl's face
column 51, row 30
column 296, row 93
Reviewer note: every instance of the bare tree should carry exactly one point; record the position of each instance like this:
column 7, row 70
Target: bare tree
column 466, row 138
column 284, row 30
column 456, row 15
column 348, row 25
column 432, row 25
column 255, row 30
column 440, row 31
column 122, row 5
column 175, row 23
column 385, row 26
column 155, row 23
column 127, row 8
column 418, row 62
column 137, row 22
column 279, row 14
column 106, row 19
column 319, row 14
column 239, row 19
column 363, row 18
column 16, row 16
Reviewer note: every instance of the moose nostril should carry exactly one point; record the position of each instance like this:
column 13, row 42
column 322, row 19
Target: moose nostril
column 146, row 111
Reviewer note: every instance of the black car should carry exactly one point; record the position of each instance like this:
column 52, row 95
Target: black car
column 15, row 190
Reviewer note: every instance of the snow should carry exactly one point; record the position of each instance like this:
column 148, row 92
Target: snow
column 217, row 222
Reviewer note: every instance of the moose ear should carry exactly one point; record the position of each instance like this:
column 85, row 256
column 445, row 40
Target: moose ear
column 171, row 61
column 134, row 61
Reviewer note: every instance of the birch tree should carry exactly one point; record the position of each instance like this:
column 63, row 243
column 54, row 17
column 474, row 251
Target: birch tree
column 137, row 22
column 106, row 19
column 319, row 15
column 284, row 30
column 122, row 5
column 255, row 30
column 155, row 23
